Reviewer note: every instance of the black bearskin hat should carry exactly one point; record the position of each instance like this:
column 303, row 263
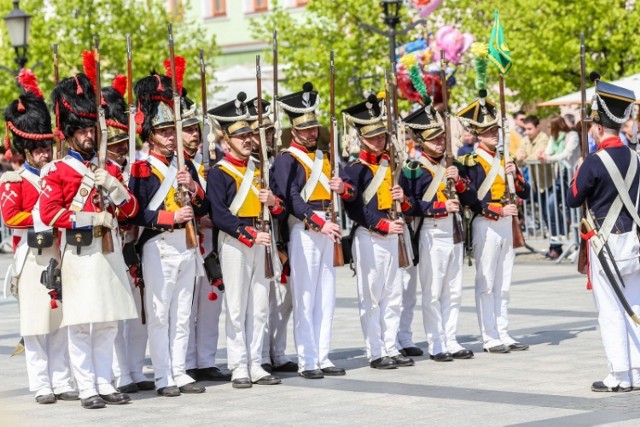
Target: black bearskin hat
column 74, row 101
column 151, row 91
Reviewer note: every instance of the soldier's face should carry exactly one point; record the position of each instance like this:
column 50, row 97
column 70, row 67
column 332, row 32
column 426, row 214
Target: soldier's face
column 84, row 140
column 307, row 137
column 41, row 156
column 191, row 138
column 241, row 145
column 268, row 136
column 118, row 152
column 435, row 147
column 163, row 141
column 375, row 144
column 489, row 138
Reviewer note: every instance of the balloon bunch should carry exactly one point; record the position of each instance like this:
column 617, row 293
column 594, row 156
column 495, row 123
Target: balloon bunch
column 419, row 61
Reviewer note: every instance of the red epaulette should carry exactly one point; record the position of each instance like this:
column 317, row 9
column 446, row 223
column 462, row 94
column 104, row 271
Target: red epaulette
column 141, row 169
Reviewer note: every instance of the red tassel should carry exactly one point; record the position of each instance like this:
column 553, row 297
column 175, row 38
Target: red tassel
column 213, row 296
column 283, row 278
column 119, row 83
column 160, row 88
column 89, row 67
column 79, row 91
column 59, row 134
column 21, row 106
column 54, row 304
column 7, row 140
column 29, row 82
column 181, row 66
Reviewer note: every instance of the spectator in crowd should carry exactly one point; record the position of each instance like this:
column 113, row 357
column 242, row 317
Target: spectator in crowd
column 518, row 118
column 17, row 160
column 468, row 144
column 540, row 176
column 626, row 132
column 563, row 150
column 570, row 120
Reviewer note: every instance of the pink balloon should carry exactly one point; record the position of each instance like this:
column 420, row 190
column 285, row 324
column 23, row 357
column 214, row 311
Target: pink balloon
column 453, row 42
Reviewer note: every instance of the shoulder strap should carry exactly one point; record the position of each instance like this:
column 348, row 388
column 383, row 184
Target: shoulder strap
column 316, row 176
column 495, row 170
column 623, row 186
column 86, row 184
column 246, row 184
column 31, row 177
column 375, row 182
column 437, row 172
column 169, row 174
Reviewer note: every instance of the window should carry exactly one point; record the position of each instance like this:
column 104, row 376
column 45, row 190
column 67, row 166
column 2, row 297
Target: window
column 260, row 5
column 218, row 8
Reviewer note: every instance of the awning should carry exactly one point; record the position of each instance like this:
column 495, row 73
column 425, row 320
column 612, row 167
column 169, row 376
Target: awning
column 631, row 83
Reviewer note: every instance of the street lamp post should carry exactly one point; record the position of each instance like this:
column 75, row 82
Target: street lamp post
column 18, row 23
column 391, row 9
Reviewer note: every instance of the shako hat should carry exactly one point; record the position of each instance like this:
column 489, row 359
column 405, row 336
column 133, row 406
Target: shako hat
column 301, row 107
column 233, row 116
column 425, row 123
column 366, row 117
column 611, row 105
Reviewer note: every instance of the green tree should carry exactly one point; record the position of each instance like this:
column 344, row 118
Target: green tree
column 73, row 24
column 305, row 44
column 543, row 37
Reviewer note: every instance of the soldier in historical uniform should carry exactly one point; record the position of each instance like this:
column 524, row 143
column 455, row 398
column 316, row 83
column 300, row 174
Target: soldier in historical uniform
column 131, row 341
column 170, row 267
column 302, row 178
column 207, row 297
column 274, row 347
column 45, row 341
column 440, row 267
column 95, row 286
column 369, row 195
column 607, row 181
column 235, row 199
column 492, row 224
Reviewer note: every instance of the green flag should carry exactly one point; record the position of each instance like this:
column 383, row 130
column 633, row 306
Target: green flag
column 499, row 52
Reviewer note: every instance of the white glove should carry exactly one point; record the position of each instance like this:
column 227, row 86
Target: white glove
column 117, row 192
column 93, row 219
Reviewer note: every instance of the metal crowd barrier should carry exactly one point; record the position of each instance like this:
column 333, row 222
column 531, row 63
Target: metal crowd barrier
column 547, row 217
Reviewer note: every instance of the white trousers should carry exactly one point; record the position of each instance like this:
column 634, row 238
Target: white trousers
column 48, row 362
column 409, row 288
column 379, row 291
column 204, row 326
column 246, row 305
column 494, row 254
column 169, row 277
column 313, row 288
column 275, row 339
column 620, row 335
column 91, row 357
column 130, row 345
column 440, row 270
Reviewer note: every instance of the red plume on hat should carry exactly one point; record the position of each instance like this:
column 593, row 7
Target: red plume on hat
column 29, row 82
column 181, row 65
column 119, row 83
column 89, row 67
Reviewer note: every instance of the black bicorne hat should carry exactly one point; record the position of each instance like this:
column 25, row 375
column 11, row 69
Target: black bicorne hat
column 233, row 116
column 611, row 105
column 252, row 106
column 425, row 123
column 301, row 107
column 367, row 117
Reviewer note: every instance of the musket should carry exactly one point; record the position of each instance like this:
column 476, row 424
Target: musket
column 132, row 109
column 206, row 124
column 338, row 253
column 182, row 195
column 584, row 143
column 277, row 139
column 511, row 197
column 101, row 142
column 450, row 191
column 56, row 78
column 604, row 255
column 396, row 210
column 264, row 175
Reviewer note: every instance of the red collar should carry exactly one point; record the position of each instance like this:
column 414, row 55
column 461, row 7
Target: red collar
column 189, row 156
column 371, row 158
column 299, row 146
column 487, row 149
column 236, row 162
column 163, row 159
column 611, row 142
